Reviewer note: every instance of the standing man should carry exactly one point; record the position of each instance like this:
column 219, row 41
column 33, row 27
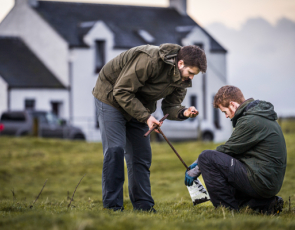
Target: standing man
column 126, row 93
column 249, row 169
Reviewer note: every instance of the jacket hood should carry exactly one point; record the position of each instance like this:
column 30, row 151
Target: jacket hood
column 255, row 107
column 168, row 52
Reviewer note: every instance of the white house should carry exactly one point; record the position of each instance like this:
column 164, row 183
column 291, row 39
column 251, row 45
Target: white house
column 69, row 42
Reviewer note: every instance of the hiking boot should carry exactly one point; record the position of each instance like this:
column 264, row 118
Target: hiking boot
column 151, row 210
column 115, row 209
column 276, row 207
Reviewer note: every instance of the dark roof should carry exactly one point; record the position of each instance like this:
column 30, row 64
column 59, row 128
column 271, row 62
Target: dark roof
column 70, row 20
column 20, row 68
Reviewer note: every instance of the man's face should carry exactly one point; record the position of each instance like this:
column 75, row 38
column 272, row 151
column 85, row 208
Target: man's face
column 187, row 72
column 229, row 111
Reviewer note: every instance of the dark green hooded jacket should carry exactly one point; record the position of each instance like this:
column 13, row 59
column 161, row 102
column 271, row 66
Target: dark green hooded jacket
column 258, row 142
column 136, row 79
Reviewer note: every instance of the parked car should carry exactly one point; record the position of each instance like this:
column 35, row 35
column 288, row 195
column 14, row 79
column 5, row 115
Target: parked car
column 190, row 129
column 21, row 123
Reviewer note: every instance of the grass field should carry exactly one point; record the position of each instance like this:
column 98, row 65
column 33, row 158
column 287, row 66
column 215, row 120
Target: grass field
column 25, row 164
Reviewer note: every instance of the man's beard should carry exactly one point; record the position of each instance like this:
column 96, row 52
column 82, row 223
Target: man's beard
column 181, row 75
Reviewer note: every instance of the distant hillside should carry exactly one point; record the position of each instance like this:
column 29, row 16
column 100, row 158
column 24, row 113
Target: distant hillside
column 261, row 60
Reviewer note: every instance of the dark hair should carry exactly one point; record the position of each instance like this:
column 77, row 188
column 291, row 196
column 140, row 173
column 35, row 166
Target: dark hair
column 226, row 94
column 193, row 56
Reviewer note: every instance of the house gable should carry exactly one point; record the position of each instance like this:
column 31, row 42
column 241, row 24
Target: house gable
column 21, row 68
column 22, row 21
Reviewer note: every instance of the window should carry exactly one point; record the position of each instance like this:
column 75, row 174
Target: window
column 193, row 100
column 29, row 104
column 146, row 36
column 201, row 45
column 99, row 55
column 216, row 117
column 56, row 107
column 96, row 117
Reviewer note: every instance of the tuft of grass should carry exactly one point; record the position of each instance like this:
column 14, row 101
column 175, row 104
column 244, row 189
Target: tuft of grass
column 27, row 162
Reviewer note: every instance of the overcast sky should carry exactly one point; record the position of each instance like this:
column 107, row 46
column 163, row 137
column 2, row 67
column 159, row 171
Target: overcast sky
column 263, row 68
column 232, row 13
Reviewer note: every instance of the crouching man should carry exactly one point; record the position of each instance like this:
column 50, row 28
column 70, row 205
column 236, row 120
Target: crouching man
column 249, row 169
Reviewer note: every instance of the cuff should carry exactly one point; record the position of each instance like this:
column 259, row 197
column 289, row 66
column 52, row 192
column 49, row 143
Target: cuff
column 181, row 115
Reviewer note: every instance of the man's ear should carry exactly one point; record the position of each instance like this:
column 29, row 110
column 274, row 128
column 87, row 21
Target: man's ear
column 235, row 105
column 180, row 64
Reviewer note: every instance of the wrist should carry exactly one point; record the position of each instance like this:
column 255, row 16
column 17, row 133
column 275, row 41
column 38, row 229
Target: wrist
column 147, row 119
column 181, row 114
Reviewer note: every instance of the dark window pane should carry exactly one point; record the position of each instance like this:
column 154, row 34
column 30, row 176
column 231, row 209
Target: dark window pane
column 216, row 117
column 193, row 100
column 99, row 55
column 96, row 118
column 201, row 45
column 56, row 107
column 29, row 104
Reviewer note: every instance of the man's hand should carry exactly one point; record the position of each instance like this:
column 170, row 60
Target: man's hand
column 151, row 121
column 191, row 112
column 192, row 173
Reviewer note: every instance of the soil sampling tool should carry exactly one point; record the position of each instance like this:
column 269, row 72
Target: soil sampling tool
column 197, row 191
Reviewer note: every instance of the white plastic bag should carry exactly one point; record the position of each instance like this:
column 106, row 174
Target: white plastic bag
column 198, row 193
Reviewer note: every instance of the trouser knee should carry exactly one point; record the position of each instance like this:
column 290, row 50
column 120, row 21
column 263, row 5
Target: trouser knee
column 113, row 165
column 205, row 157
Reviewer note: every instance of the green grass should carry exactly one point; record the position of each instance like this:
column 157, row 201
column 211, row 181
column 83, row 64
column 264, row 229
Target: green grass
column 25, row 164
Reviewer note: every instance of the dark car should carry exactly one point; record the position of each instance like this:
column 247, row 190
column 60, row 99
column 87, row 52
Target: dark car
column 47, row 124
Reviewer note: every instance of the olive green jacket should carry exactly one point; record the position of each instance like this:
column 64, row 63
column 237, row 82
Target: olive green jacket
column 258, row 142
column 133, row 81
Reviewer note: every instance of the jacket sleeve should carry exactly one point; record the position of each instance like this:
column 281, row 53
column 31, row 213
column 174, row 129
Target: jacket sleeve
column 246, row 135
column 133, row 76
column 171, row 104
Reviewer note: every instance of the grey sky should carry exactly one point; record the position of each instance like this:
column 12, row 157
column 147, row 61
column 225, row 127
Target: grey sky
column 263, row 69
column 232, row 13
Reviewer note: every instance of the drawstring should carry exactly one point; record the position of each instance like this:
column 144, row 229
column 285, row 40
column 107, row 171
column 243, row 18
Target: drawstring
column 174, row 65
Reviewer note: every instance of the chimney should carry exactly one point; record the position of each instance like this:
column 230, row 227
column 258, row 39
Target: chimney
column 33, row 3
column 179, row 5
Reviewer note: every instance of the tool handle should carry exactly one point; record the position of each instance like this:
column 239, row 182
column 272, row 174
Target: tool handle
column 155, row 126
column 173, row 148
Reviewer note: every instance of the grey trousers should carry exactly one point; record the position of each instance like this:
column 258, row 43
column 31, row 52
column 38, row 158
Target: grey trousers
column 120, row 136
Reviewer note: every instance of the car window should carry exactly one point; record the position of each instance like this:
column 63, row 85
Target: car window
column 13, row 116
column 41, row 117
column 52, row 119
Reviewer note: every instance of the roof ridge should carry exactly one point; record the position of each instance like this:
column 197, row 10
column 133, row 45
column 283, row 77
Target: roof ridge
column 93, row 3
column 11, row 37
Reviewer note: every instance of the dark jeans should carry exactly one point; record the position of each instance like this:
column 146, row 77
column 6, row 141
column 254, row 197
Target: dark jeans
column 124, row 138
column 227, row 182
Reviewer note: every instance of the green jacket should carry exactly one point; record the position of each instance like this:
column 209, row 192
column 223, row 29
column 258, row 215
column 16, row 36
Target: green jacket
column 258, row 142
column 133, row 81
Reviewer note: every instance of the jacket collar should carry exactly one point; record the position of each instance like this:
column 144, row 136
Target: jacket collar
column 168, row 53
column 240, row 110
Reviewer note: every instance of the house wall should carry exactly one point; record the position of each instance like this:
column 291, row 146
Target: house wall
column 3, row 95
column 42, row 97
column 84, row 79
column 215, row 79
column 42, row 39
